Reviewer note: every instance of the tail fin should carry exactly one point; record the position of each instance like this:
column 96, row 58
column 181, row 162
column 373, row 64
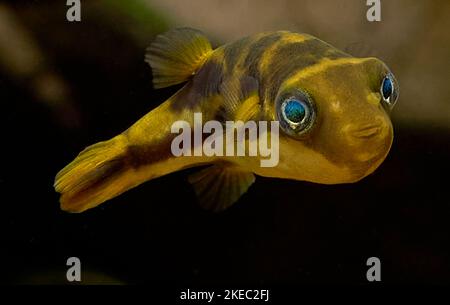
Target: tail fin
column 98, row 173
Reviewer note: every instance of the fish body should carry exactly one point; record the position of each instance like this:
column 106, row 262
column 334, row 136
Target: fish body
column 332, row 108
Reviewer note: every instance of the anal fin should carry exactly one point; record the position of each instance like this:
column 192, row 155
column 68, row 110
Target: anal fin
column 219, row 186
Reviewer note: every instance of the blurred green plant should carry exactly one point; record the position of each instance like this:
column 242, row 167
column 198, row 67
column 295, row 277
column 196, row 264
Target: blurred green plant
column 143, row 20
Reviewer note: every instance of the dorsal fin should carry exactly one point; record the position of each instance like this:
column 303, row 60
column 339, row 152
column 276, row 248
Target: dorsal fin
column 177, row 55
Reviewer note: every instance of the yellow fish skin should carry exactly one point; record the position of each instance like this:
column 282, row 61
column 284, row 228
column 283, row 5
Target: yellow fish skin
column 333, row 111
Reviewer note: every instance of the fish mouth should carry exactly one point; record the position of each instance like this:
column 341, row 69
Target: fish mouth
column 367, row 132
column 371, row 142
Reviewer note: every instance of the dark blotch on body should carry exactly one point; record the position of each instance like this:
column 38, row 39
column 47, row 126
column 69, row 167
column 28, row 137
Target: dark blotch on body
column 293, row 57
column 204, row 84
column 233, row 52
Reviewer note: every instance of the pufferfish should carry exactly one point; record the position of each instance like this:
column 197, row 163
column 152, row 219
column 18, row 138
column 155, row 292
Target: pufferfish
column 332, row 108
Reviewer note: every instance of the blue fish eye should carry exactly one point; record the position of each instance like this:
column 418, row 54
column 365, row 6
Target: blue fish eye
column 294, row 111
column 387, row 88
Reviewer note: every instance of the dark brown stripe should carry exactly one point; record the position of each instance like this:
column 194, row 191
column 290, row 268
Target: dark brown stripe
column 204, row 84
column 233, row 52
column 293, row 57
column 258, row 48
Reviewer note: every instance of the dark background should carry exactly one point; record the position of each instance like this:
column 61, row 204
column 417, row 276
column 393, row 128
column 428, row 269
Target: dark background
column 87, row 81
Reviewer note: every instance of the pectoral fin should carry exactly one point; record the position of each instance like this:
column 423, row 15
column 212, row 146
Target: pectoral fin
column 241, row 99
column 219, row 186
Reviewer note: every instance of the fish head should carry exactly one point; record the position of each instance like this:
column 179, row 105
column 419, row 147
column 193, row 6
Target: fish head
column 334, row 120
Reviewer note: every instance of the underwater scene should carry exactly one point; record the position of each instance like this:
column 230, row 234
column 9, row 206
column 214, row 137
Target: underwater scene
column 244, row 144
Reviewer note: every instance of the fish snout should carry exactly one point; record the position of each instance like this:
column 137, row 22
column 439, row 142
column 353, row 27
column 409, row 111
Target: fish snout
column 369, row 141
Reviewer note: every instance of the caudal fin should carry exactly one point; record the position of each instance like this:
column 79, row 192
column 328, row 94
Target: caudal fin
column 98, row 173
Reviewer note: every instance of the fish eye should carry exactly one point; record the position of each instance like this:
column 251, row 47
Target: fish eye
column 296, row 113
column 388, row 90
